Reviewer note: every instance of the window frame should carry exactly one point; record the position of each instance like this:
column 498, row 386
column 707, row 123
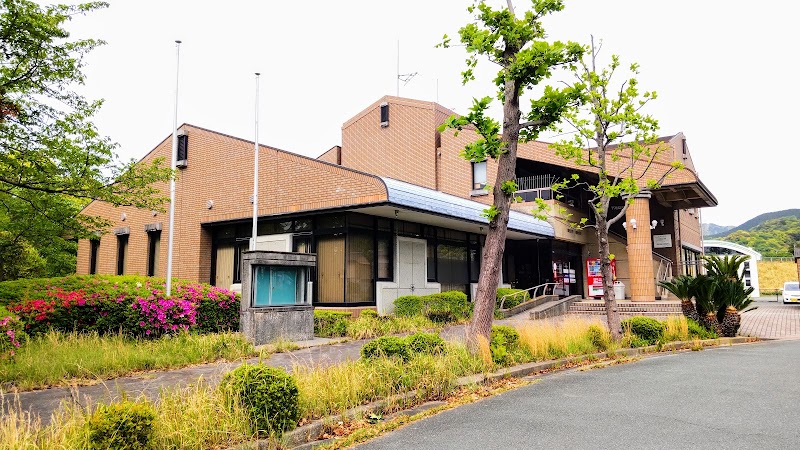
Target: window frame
column 476, row 186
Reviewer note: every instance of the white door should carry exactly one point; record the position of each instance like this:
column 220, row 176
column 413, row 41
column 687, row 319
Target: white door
column 411, row 262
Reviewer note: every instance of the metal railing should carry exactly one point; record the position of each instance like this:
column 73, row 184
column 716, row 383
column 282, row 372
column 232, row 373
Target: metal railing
column 663, row 273
column 535, row 182
column 533, row 295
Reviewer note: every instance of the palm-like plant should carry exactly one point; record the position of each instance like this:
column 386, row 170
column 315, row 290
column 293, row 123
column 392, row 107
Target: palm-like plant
column 681, row 287
column 725, row 266
column 704, row 289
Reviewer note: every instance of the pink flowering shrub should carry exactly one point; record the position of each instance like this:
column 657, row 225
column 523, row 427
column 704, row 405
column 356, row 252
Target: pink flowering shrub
column 133, row 305
column 12, row 336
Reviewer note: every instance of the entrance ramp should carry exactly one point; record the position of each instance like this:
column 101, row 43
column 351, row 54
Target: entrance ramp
column 656, row 309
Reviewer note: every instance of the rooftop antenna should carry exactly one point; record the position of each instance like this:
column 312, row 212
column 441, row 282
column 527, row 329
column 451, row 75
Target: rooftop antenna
column 404, row 77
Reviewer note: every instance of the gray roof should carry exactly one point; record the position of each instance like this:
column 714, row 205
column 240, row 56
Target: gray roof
column 428, row 200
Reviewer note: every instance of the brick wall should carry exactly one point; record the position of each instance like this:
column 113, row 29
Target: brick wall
column 404, row 150
column 220, row 170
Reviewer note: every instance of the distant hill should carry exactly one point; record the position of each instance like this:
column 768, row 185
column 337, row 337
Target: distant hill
column 756, row 221
column 710, row 229
column 772, row 236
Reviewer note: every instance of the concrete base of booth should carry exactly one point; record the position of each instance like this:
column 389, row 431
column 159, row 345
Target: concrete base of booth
column 265, row 325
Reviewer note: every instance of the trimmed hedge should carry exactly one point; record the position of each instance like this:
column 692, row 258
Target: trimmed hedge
column 504, row 340
column 512, row 300
column 646, row 328
column 131, row 304
column 445, row 307
column 268, row 395
column 124, row 425
column 331, row 323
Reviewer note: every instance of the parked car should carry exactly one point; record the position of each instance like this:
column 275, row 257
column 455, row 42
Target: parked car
column 791, row 292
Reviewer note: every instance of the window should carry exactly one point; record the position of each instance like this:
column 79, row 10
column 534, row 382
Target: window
column 431, row 260
column 95, row 249
column 279, row 286
column 237, row 260
column 478, row 175
column 153, row 250
column 183, row 143
column 384, row 250
column 384, row 115
column 122, row 253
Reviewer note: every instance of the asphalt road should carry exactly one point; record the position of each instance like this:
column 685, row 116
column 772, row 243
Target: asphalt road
column 742, row 397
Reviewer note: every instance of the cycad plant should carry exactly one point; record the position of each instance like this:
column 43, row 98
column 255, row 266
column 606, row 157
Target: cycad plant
column 726, row 267
column 681, row 287
column 703, row 290
column 732, row 297
column 729, row 294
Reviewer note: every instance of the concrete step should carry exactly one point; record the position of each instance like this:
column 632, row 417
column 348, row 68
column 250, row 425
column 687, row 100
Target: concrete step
column 530, row 304
column 661, row 308
column 553, row 308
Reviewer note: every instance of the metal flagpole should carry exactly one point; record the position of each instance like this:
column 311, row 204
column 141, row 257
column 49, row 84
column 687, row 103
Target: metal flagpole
column 255, row 178
column 172, row 165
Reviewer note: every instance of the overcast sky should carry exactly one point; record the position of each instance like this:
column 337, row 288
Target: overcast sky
column 726, row 73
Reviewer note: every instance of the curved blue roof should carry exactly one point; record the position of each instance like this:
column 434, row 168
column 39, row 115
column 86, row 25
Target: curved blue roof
column 428, row 200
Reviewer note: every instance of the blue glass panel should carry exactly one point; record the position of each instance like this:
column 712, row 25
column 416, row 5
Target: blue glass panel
column 261, row 285
column 284, row 286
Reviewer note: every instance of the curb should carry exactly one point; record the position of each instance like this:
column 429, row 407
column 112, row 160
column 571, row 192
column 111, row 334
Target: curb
column 307, row 436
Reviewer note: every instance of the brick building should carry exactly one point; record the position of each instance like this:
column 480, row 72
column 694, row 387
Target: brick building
column 394, row 210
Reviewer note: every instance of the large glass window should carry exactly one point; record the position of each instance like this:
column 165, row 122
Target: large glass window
column 360, row 258
column 478, row 175
column 451, row 267
column 384, row 248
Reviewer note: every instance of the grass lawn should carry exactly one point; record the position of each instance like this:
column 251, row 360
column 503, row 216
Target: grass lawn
column 59, row 359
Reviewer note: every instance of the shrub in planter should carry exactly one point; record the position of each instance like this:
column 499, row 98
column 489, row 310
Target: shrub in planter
column 515, row 297
column 124, row 425
column 331, row 323
column 453, row 301
column 408, row 306
column 646, row 328
column 388, row 346
column 440, row 313
column 425, row 343
column 268, row 395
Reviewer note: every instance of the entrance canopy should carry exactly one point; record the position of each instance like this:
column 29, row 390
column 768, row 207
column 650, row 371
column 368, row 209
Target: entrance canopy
column 427, row 206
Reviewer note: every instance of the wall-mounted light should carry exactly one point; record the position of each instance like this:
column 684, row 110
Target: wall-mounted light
column 123, row 216
column 633, row 223
column 154, row 212
column 210, row 204
column 625, row 225
column 654, row 223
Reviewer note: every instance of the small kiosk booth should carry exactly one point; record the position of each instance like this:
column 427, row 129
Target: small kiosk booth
column 276, row 296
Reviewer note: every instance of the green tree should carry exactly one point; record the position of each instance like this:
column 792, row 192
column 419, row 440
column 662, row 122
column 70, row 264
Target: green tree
column 53, row 160
column 518, row 46
column 616, row 140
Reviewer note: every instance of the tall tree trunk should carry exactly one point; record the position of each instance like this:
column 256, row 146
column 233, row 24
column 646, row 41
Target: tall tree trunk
column 612, row 314
column 492, row 263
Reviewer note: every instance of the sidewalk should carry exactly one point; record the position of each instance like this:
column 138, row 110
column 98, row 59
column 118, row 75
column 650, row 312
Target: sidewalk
column 44, row 402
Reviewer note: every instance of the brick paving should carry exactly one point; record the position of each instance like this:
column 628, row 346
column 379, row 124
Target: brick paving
column 772, row 320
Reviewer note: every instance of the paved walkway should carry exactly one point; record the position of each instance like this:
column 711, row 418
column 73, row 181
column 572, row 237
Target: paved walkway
column 771, row 320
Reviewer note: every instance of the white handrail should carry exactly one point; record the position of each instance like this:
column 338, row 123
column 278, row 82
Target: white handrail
column 535, row 289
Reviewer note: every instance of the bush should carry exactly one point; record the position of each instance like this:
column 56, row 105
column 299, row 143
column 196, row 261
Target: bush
column 12, row 335
column 371, row 313
column 511, row 301
column 699, row 331
column 133, row 305
column 599, row 337
column 425, row 343
column 124, row 425
column 267, row 394
column 331, row 323
column 504, row 340
column 634, row 341
column 388, row 346
column 446, row 307
column 648, row 329
column 408, row 306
